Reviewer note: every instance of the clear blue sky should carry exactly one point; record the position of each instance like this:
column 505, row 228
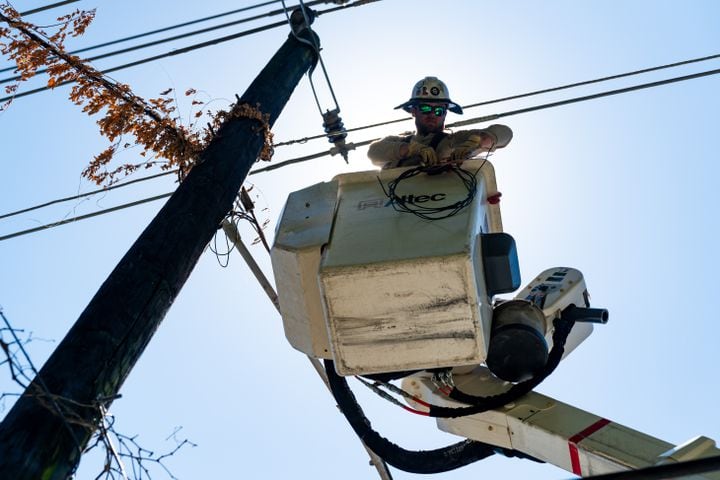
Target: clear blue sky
column 623, row 188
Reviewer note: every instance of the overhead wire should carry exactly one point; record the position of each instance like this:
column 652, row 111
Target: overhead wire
column 74, row 197
column 159, row 41
column 585, row 98
column 496, row 116
column 153, row 58
column 184, row 50
column 355, row 129
column 83, row 217
column 159, row 30
column 455, row 124
column 330, row 10
column 86, row 194
column 522, row 95
column 272, row 166
column 275, row 166
column 47, row 7
column 597, row 80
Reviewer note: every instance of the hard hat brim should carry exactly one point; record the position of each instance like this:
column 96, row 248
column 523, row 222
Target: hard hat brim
column 452, row 106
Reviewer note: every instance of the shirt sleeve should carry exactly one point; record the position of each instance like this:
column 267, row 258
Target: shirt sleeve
column 470, row 139
column 502, row 133
column 386, row 151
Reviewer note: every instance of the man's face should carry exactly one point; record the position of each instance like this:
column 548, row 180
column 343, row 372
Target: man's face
column 427, row 119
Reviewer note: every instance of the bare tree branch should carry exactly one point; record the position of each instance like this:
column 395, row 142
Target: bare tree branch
column 118, row 450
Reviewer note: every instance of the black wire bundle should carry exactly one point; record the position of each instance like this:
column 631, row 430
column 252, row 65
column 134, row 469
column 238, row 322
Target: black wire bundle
column 478, row 404
column 401, row 204
column 453, row 456
column 413, row 461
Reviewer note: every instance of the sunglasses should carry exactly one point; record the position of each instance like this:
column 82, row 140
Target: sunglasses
column 438, row 110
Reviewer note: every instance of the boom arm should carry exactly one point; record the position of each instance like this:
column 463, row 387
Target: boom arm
column 555, row 432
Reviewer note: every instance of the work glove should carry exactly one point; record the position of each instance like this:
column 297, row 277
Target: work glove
column 427, row 155
column 460, row 154
column 466, row 149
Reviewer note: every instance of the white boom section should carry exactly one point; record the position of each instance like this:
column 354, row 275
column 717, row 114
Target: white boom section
column 555, row 432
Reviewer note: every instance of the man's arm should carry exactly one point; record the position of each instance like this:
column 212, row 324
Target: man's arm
column 387, row 151
column 466, row 143
column 391, row 152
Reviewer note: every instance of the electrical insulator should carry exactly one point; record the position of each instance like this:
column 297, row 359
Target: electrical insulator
column 333, row 125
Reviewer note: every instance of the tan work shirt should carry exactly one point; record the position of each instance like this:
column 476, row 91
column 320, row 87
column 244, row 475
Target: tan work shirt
column 386, row 152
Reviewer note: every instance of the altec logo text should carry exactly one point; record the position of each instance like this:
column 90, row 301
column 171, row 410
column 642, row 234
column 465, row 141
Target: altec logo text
column 412, row 198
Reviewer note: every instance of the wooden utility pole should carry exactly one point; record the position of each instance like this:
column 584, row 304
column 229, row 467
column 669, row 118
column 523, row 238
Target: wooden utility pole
column 91, row 363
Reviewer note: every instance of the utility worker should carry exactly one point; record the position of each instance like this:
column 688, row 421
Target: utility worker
column 429, row 103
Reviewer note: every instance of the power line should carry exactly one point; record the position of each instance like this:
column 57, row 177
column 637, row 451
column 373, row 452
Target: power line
column 153, row 58
column 275, row 166
column 156, row 42
column 598, row 80
column 161, row 30
column 47, row 7
column 496, row 116
column 169, row 172
column 83, row 217
column 356, row 129
column 187, row 49
column 522, row 95
column 366, row 142
column 173, row 27
column 86, row 194
column 585, row 98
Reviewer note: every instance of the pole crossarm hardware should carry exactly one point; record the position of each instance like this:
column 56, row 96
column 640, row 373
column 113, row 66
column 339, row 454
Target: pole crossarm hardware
column 91, row 363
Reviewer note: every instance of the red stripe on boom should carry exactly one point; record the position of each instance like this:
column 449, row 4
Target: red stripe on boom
column 579, row 437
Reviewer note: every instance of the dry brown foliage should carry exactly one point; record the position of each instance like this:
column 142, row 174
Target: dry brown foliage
column 150, row 122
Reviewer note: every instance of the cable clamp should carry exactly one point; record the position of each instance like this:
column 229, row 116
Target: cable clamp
column 301, row 19
column 443, row 379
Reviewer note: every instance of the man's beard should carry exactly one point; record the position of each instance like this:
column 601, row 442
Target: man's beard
column 423, row 129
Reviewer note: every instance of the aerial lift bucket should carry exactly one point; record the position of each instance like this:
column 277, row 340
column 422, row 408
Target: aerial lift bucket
column 379, row 290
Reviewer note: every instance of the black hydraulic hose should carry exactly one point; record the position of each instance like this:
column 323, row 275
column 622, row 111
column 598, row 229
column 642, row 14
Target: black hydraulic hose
column 423, row 461
column 483, row 404
column 456, row 455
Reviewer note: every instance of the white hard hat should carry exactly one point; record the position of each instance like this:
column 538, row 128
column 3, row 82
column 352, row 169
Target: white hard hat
column 430, row 89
